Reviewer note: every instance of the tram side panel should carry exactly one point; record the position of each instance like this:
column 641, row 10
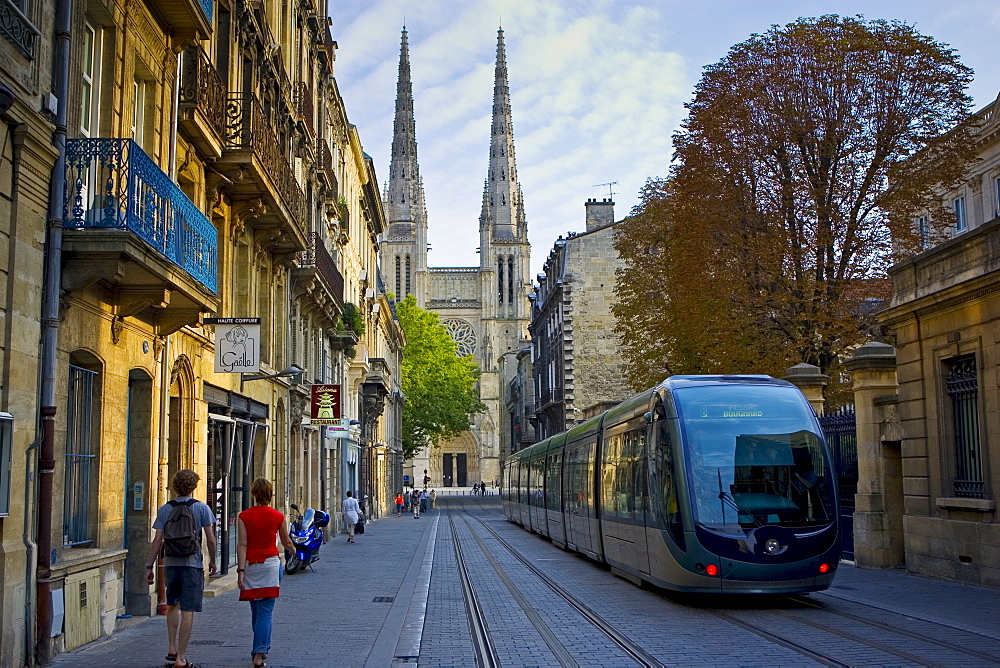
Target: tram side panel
column 554, row 493
column 536, row 481
column 624, row 495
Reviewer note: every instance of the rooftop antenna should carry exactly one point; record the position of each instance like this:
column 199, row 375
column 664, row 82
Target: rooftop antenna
column 611, row 193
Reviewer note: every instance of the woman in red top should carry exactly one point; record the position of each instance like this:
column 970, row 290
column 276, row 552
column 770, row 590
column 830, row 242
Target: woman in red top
column 258, row 567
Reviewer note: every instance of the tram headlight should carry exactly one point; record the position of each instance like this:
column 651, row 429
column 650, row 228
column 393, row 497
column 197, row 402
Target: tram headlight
column 772, row 546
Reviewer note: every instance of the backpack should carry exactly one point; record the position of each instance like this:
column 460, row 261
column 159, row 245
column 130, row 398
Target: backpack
column 181, row 533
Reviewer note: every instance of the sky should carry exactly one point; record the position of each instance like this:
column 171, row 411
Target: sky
column 598, row 87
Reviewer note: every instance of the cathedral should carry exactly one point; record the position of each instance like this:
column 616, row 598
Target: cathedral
column 485, row 307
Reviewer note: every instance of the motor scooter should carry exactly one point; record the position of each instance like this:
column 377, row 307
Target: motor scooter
column 306, row 532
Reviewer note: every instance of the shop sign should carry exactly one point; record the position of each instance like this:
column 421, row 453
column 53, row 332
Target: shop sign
column 324, row 407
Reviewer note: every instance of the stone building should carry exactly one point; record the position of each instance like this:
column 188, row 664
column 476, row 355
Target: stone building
column 518, row 421
column 936, row 509
column 484, row 308
column 210, row 171
column 27, row 165
column 577, row 365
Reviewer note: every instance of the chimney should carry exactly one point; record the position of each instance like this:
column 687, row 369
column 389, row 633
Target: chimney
column 599, row 213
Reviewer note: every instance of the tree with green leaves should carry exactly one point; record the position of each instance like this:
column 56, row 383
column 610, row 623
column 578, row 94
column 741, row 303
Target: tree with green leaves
column 439, row 385
column 806, row 154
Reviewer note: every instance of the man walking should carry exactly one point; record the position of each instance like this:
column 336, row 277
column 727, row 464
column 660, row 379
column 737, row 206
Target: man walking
column 179, row 524
column 399, row 504
column 415, row 502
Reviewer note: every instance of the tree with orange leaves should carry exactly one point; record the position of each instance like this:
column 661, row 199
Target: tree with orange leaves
column 806, row 152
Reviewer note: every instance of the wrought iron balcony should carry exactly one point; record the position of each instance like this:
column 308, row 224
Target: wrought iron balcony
column 318, row 282
column 128, row 225
column 202, row 101
column 319, row 257
column 250, row 141
column 114, row 184
column 324, row 162
column 16, row 27
column 304, row 104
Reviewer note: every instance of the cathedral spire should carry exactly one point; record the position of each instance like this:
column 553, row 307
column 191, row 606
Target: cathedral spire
column 502, row 203
column 404, row 194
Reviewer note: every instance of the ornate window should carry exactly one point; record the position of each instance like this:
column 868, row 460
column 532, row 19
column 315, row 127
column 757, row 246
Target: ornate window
column 463, row 335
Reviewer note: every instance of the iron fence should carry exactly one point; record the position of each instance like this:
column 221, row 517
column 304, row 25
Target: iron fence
column 840, row 431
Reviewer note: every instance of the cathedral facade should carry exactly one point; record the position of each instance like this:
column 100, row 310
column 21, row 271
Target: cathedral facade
column 484, row 307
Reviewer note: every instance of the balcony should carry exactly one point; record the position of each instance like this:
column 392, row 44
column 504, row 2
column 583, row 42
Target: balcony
column 16, row 27
column 187, row 19
column 324, row 165
column 132, row 228
column 202, row 102
column 264, row 172
column 318, row 278
column 303, row 101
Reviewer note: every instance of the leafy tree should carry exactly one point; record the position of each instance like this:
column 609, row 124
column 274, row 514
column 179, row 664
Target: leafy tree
column 805, row 155
column 440, row 386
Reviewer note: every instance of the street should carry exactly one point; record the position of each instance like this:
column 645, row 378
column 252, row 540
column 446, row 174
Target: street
column 398, row 597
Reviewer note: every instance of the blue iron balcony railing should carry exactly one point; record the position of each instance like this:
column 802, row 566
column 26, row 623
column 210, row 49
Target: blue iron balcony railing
column 112, row 183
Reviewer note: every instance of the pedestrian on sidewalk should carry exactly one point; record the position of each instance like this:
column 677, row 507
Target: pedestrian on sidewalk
column 179, row 525
column 258, row 568
column 433, row 499
column 424, row 501
column 352, row 511
column 415, row 502
column 399, row 504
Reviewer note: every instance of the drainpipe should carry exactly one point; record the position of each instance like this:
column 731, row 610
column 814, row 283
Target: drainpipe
column 50, row 332
column 29, row 552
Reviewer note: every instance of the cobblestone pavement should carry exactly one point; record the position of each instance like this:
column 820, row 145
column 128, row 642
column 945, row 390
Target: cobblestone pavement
column 395, row 598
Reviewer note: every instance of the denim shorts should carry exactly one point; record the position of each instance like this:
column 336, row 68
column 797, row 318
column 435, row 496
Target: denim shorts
column 185, row 585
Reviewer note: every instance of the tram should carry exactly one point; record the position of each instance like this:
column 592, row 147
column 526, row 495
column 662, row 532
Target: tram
column 715, row 484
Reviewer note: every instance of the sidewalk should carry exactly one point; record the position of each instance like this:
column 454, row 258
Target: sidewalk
column 363, row 605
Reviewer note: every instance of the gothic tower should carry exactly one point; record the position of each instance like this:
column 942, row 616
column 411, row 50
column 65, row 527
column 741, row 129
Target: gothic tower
column 404, row 244
column 505, row 254
column 484, row 308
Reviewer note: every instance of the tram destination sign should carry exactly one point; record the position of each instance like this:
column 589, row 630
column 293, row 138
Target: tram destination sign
column 237, row 344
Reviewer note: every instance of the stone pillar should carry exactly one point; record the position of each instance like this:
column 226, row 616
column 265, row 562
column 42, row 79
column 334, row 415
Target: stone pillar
column 810, row 381
column 878, row 514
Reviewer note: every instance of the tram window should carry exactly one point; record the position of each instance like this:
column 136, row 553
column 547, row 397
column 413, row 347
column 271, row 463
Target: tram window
column 552, row 482
column 754, row 462
column 665, row 438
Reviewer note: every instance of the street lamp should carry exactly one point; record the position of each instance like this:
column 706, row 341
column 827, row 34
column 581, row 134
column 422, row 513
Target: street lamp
column 287, row 372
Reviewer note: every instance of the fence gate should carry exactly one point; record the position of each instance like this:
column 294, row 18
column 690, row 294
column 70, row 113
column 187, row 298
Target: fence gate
column 841, row 434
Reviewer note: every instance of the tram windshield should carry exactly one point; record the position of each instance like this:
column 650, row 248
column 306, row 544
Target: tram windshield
column 754, row 457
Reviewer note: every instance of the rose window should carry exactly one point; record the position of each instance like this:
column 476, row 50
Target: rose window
column 463, row 335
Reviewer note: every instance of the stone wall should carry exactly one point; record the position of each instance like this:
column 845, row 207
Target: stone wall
column 595, row 364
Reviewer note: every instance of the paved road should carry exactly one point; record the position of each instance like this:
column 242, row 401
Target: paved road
column 397, row 598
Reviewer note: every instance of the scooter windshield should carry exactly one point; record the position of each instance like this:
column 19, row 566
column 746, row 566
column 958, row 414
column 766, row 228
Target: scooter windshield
column 307, row 519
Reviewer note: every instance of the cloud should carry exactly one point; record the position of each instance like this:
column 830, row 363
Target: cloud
column 597, row 89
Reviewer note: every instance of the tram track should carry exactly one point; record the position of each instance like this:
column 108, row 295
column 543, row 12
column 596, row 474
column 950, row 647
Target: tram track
column 922, row 637
column 482, row 641
column 634, row 651
column 803, row 629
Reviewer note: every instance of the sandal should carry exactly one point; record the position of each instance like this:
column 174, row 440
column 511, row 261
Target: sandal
column 170, row 659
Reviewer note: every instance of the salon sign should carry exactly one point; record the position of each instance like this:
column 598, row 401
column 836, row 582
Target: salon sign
column 237, row 344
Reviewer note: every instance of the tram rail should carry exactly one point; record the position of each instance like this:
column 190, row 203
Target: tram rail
column 632, row 649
